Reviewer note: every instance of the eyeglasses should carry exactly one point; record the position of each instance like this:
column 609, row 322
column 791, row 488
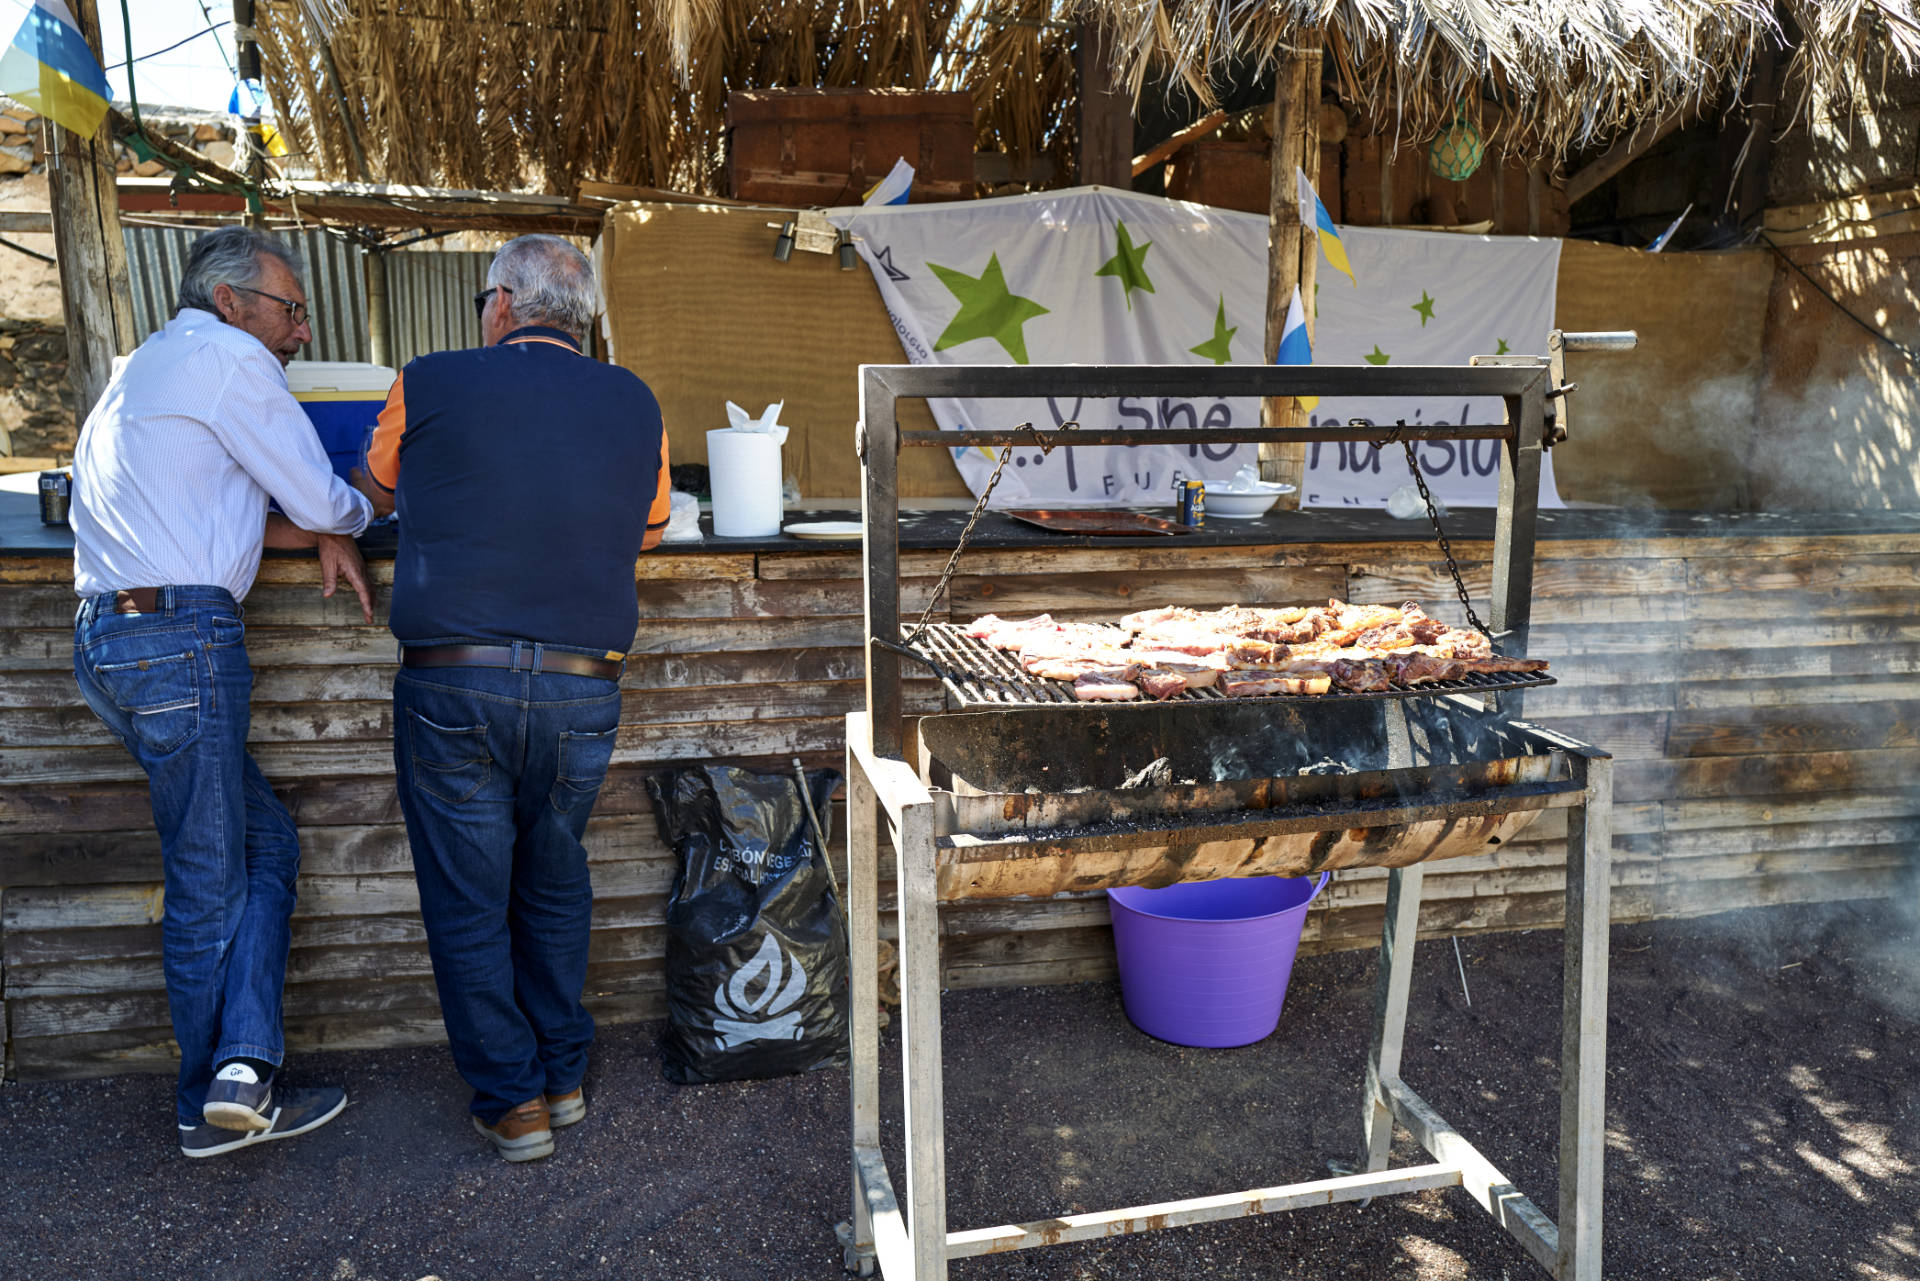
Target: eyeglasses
column 480, row 299
column 296, row 311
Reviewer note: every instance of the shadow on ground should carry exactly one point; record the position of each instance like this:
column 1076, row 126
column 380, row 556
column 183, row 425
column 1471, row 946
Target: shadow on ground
column 1764, row 1119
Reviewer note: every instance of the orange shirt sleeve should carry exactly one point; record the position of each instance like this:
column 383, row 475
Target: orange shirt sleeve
column 662, row 501
column 383, row 451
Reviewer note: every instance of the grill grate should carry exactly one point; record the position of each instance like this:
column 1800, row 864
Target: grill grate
column 979, row 675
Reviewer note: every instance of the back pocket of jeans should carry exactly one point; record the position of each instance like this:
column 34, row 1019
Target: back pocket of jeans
column 583, row 760
column 450, row 763
column 161, row 697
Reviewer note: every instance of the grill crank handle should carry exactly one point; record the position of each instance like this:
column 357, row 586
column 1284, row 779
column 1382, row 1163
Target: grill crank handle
column 904, row 652
column 1559, row 343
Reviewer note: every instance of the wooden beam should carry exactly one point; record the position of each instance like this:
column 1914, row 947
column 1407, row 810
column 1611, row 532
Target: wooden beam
column 356, row 204
column 1622, row 154
column 1106, row 111
column 34, row 220
column 1203, row 1209
column 1863, row 217
column 1198, row 129
column 94, row 292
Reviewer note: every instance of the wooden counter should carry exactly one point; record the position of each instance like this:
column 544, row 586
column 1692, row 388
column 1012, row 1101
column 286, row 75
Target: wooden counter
column 1758, row 678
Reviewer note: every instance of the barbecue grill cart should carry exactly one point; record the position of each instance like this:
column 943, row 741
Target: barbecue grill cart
column 1020, row 791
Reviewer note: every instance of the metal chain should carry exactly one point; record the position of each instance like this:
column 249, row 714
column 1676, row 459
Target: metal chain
column 1426, row 496
column 1047, row 445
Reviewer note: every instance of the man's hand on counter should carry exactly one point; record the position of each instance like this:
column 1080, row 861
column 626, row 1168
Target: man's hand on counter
column 340, row 557
column 377, row 494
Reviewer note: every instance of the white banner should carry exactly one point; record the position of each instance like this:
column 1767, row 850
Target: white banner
column 1099, row 276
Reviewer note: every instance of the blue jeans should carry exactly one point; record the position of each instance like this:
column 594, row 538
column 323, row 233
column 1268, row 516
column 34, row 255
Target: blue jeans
column 174, row 685
column 498, row 771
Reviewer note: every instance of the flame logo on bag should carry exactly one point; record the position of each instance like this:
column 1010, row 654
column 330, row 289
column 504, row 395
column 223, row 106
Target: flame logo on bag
column 769, row 1018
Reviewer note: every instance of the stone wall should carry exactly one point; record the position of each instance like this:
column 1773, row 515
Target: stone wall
column 36, row 402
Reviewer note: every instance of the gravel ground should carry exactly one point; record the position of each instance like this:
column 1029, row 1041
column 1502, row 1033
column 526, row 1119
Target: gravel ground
column 1763, row 1117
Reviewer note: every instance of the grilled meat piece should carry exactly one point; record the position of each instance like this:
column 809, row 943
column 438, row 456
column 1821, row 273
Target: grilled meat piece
column 1257, row 684
column 1007, row 633
column 1361, row 675
column 1073, row 667
column 1104, row 689
column 1159, row 682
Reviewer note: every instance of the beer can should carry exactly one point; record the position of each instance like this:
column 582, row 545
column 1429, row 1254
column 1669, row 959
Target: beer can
column 1193, row 503
column 56, row 494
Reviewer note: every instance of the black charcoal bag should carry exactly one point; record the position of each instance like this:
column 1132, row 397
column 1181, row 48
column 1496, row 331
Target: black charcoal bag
column 756, row 939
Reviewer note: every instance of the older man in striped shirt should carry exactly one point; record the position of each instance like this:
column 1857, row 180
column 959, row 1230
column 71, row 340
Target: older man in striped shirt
column 171, row 479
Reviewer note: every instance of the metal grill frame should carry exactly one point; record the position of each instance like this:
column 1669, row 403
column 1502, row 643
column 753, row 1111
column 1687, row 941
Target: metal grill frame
column 889, row 799
column 991, row 679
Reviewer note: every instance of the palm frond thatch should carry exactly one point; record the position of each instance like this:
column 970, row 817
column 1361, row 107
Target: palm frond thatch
column 1565, row 73
column 545, row 93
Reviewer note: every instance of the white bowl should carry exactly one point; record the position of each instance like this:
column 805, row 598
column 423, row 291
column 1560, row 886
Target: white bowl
column 1238, row 505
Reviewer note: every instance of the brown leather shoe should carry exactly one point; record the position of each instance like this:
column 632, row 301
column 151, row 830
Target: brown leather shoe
column 523, row 1134
column 565, row 1109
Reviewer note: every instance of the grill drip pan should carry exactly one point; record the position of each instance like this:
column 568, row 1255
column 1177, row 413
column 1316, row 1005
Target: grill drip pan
column 978, row 675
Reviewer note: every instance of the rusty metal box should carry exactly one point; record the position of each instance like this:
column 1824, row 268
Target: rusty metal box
column 805, row 147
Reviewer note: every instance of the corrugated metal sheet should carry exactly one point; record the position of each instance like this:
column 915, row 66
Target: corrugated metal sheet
column 430, row 299
column 335, row 278
column 429, row 294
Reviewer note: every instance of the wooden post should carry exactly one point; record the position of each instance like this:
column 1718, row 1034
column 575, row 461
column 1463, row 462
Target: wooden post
column 94, row 292
column 379, row 325
column 1746, row 146
column 1106, row 111
column 1293, row 252
column 246, row 49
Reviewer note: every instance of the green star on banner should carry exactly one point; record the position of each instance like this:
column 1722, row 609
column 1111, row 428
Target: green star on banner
column 1128, row 265
column 1425, row 308
column 988, row 309
column 1219, row 348
column 1504, row 349
column 1376, row 356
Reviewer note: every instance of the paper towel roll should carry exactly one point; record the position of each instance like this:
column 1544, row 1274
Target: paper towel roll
column 744, row 470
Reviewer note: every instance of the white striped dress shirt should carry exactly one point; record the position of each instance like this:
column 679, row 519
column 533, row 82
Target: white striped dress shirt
column 195, row 431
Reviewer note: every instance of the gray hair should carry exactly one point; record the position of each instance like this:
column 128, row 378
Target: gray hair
column 231, row 256
column 551, row 283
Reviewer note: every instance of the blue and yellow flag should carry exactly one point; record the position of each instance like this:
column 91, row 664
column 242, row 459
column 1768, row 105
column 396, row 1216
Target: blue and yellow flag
column 247, row 104
column 1314, row 217
column 1296, row 348
column 50, row 69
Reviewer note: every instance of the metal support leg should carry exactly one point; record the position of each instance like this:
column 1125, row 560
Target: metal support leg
column 1583, row 1044
column 920, row 1070
column 863, row 994
column 1390, row 1010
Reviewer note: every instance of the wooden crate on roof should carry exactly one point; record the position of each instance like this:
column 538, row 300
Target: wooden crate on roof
column 827, row 146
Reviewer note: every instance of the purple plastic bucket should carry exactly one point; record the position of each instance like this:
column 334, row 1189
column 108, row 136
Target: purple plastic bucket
column 1206, row 962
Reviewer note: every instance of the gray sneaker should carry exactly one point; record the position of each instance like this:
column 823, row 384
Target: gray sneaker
column 292, row 1112
column 238, row 1099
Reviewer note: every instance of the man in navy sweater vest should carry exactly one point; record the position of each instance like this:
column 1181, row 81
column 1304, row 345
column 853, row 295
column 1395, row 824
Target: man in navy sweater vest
column 533, row 477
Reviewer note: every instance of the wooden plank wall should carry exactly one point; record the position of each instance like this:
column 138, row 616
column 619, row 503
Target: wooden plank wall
column 1762, row 696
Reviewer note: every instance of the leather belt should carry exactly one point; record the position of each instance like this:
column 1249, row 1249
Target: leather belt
column 557, row 661
column 136, row 600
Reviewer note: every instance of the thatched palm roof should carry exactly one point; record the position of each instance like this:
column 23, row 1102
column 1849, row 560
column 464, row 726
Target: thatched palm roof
column 543, row 93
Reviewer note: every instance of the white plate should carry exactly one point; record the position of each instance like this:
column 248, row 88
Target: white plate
column 841, row 530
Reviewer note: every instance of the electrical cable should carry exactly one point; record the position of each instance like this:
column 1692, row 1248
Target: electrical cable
column 31, row 253
column 213, row 29
column 206, row 16
column 1912, row 355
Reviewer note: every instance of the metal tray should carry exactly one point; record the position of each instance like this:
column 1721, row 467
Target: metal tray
column 1099, row 522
